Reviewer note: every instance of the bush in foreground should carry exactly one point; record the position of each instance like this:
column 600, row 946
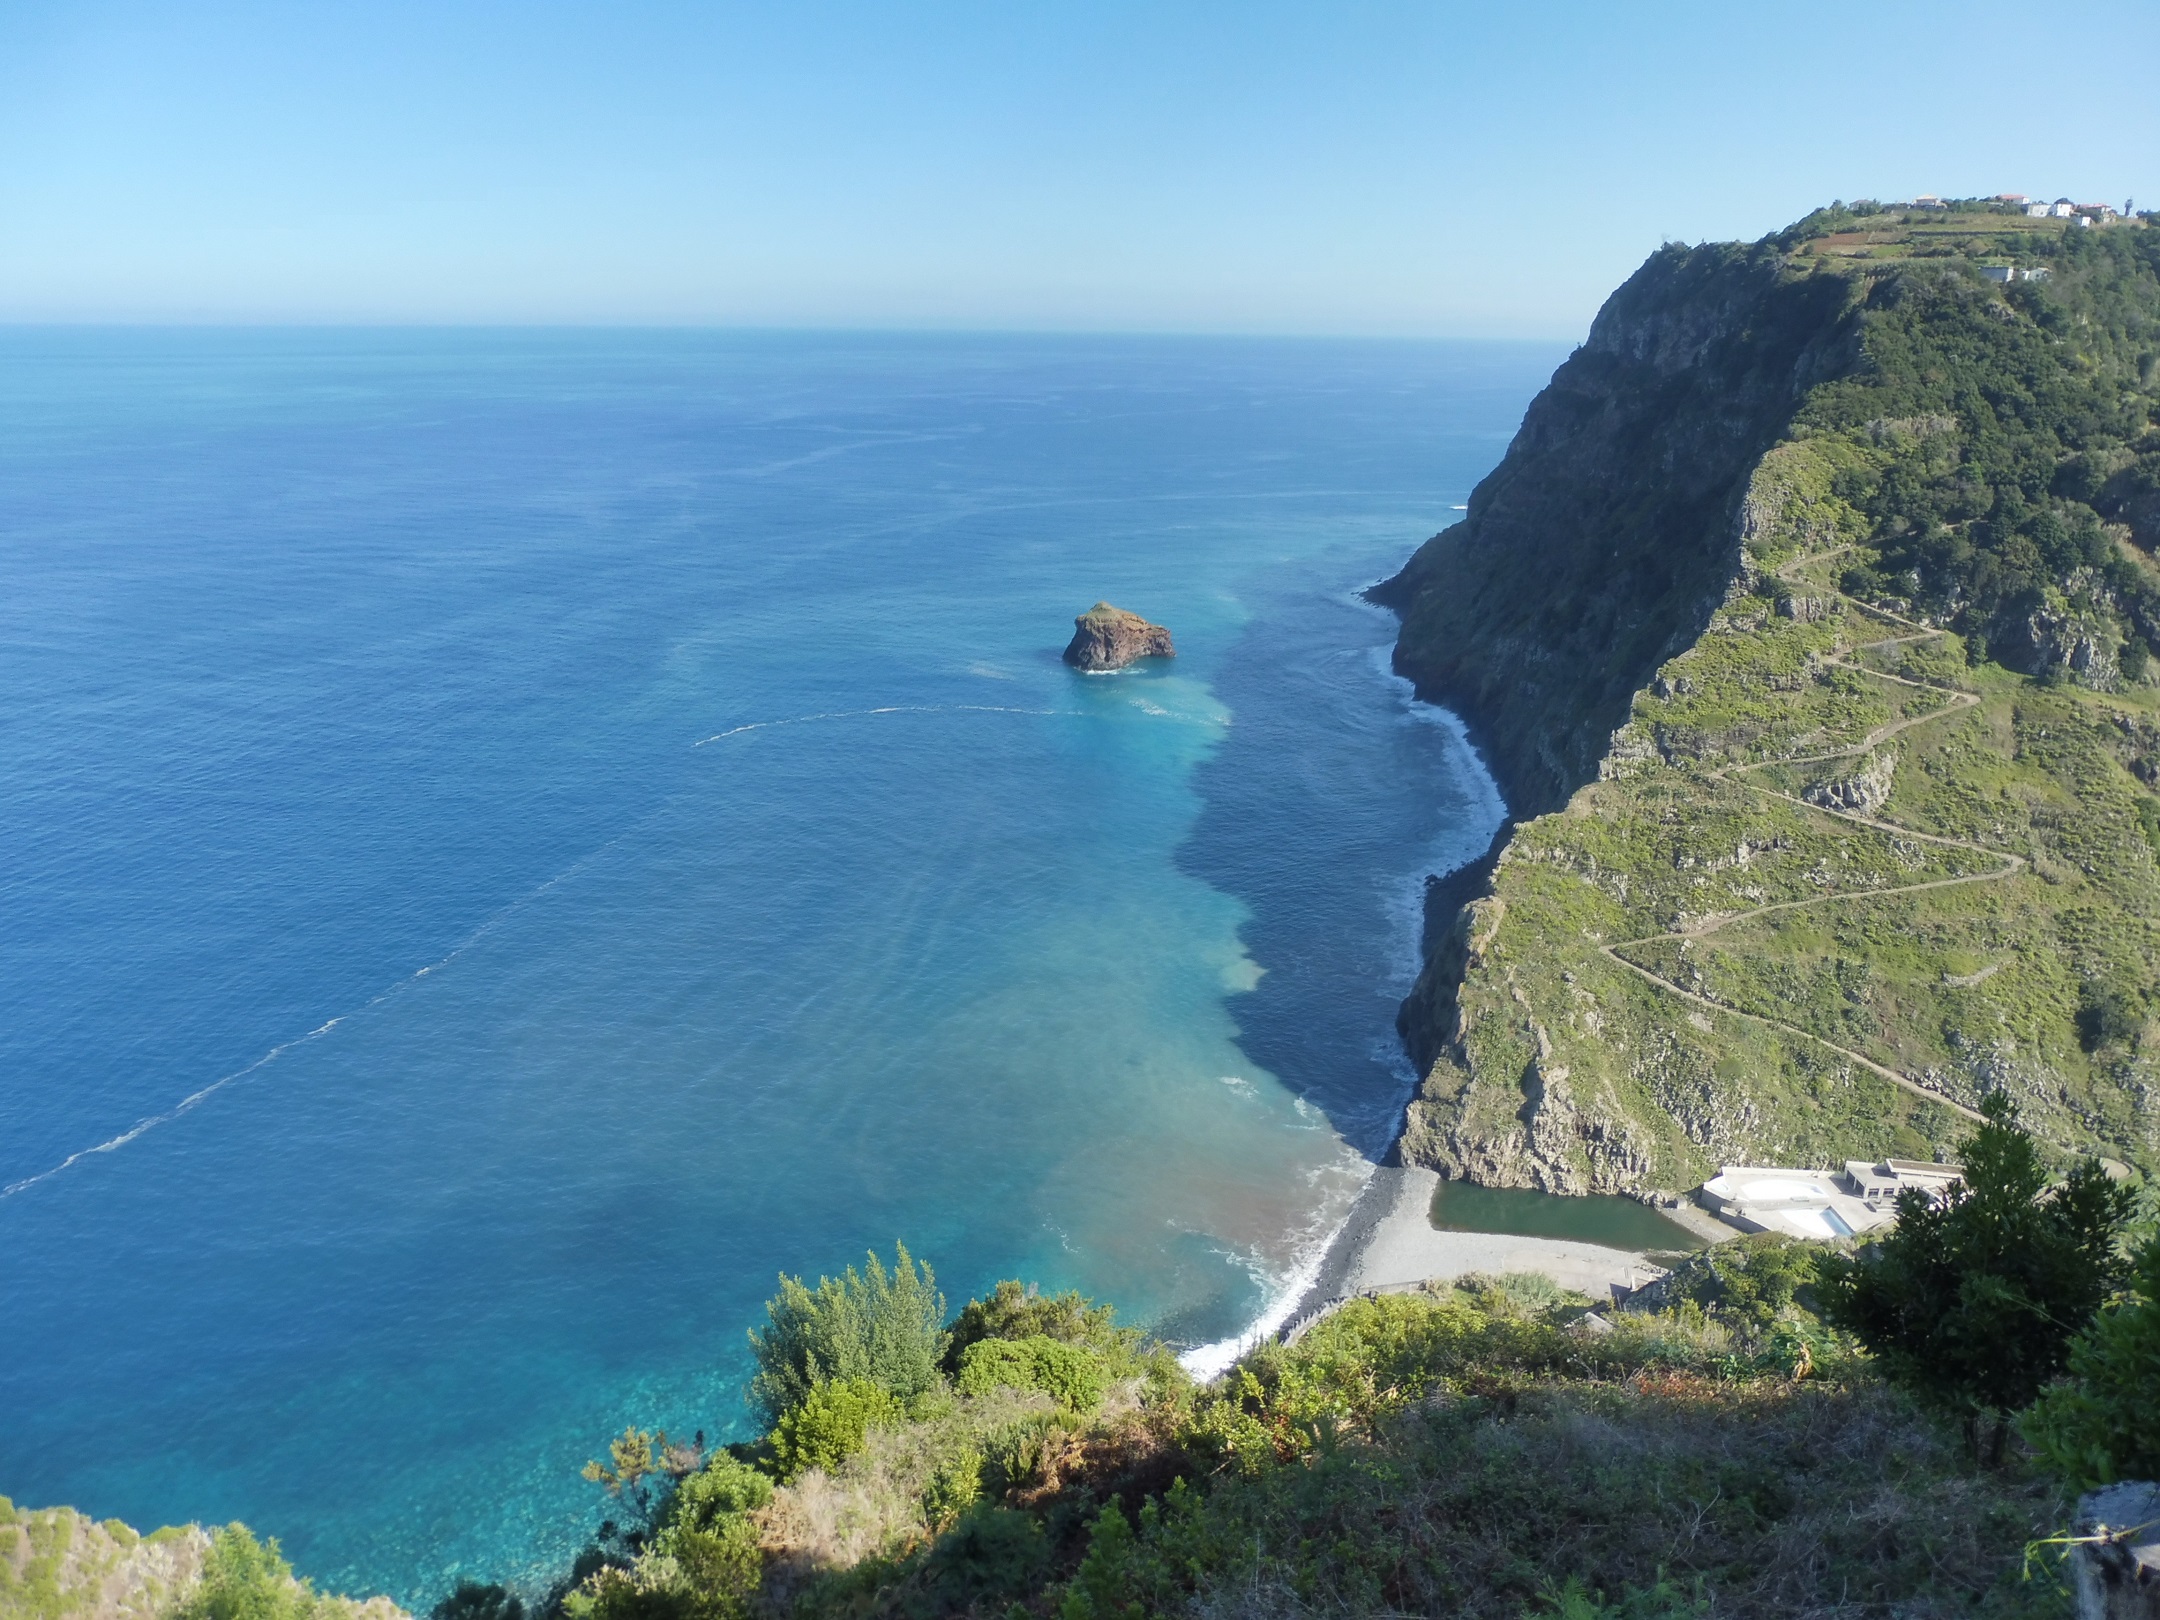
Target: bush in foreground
column 246, row 1579
column 1480, row 1450
column 1972, row 1300
column 2101, row 1424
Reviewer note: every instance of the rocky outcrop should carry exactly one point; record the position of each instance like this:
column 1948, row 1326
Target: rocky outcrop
column 54, row 1562
column 1600, row 545
column 58, row 1564
column 1861, row 793
column 1107, row 637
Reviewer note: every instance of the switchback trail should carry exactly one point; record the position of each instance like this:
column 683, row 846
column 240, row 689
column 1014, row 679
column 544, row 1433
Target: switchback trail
column 1703, row 927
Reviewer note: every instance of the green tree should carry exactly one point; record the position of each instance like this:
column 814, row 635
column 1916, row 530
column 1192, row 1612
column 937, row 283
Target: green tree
column 246, row 1579
column 634, row 1456
column 2101, row 1424
column 703, row 1561
column 1973, row 1299
column 884, row 1327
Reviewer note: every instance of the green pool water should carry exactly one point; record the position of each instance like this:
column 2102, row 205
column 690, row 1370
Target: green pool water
column 1617, row 1223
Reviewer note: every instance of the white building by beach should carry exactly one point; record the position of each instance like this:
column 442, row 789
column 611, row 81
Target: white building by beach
column 1819, row 1203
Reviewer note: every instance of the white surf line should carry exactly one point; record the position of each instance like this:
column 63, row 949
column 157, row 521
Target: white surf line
column 943, row 708
column 187, row 1103
column 193, row 1099
column 889, row 708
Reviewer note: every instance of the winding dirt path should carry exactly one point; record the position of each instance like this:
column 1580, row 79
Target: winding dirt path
column 1958, row 703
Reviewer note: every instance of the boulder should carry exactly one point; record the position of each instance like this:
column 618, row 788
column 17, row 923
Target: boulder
column 1106, row 637
column 2115, row 1566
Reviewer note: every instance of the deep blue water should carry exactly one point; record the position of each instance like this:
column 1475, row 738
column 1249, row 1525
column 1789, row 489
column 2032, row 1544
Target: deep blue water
column 509, row 840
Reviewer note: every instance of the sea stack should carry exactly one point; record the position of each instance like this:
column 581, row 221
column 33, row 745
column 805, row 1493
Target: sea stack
column 1106, row 637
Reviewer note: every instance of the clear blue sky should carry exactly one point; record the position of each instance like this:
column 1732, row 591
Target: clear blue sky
column 1336, row 166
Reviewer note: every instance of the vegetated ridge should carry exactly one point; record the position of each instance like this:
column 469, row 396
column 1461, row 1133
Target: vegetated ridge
column 1807, row 626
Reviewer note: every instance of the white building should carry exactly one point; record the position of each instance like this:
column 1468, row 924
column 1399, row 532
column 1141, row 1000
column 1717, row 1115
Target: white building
column 1819, row 1203
column 2038, row 210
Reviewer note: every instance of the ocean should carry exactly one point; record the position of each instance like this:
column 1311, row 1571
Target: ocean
column 510, row 840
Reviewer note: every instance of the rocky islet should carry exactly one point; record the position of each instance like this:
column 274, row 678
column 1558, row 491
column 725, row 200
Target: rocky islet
column 1107, row 638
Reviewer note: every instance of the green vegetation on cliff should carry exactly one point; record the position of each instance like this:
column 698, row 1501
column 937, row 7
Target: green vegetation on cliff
column 1484, row 1449
column 1487, row 1448
column 1873, row 833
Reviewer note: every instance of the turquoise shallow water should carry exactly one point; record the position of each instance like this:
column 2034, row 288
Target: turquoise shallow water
column 510, row 840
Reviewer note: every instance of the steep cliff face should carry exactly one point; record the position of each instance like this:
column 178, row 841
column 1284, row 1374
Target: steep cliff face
column 1818, row 839
column 1601, row 543
column 1598, row 547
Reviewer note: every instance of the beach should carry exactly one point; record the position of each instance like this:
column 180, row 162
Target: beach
column 1388, row 1243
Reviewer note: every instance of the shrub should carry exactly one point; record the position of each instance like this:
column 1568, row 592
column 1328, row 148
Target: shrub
column 1663, row 1601
column 475, row 1601
column 992, row 1552
column 1013, row 1452
column 703, row 1561
column 2100, row 1425
column 954, row 1486
column 695, row 1575
column 1971, row 1301
column 1015, row 1310
column 722, row 1487
column 830, row 1425
column 2107, row 1017
column 246, row 1579
column 1073, row 1374
column 1751, row 1281
column 881, row 1327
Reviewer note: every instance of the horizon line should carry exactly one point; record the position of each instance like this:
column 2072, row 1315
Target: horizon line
column 14, row 324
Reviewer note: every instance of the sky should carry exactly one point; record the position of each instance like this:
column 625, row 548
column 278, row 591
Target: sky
column 1335, row 167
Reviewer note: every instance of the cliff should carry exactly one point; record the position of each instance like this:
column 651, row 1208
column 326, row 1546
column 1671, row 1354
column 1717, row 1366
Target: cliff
column 1806, row 628
column 1597, row 548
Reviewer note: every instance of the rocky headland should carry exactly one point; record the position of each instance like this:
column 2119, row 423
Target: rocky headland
column 1807, row 626
column 1106, row 638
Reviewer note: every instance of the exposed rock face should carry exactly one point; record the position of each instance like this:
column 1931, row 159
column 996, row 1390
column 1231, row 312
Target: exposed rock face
column 1598, row 550
column 1599, row 546
column 58, row 1564
column 1106, row 637
column 1864, row 792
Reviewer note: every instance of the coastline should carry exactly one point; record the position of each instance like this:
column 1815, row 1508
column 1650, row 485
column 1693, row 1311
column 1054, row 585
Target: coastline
column 1386, row 1241
column 1427, row 884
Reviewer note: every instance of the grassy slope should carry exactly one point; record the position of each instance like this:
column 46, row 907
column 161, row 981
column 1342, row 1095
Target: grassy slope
column 1466, row 1453
column 1582, row 1060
